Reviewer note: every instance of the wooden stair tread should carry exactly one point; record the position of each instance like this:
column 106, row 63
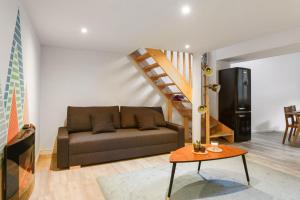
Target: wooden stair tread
column 185, row 109
column 220, row 134
column 185, row 112
column 181, row 101
column 172, row 93
column 161, row 86
column 158, row 76
column 150, row 67
column 212, row 123
column 142, row 57
column 180, row 105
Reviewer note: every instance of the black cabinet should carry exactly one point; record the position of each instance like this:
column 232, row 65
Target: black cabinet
column 242, row 126
column 235, row 101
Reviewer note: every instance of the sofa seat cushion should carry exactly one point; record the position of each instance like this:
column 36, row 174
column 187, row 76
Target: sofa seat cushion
column 86, row 142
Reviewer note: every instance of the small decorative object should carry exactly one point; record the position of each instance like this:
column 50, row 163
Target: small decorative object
column 215, row 147
column 214, row 143
column 198, row 148
column 178, row 97
column 28, row 126
column 202, row 149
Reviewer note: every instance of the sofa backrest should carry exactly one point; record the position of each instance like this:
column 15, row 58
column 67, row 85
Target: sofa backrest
column 128, row 115
column 78, row 118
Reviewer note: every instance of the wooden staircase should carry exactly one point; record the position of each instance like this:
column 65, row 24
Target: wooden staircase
column 175, row 83
column 217, row 130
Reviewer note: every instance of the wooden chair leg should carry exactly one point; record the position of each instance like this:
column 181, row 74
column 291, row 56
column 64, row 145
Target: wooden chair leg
column 296, row 136
column 295, row 129
column 292, row 132
column 284, row 136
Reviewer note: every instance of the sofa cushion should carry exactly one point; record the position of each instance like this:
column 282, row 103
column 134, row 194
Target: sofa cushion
column 146, row 122
column 102, row 123
column 128, row 115
column 78, row 118
column 86, row 142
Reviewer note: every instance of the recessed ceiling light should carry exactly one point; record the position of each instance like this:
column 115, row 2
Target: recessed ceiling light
column 187, row 46
column 84, row 30
column 186, row 9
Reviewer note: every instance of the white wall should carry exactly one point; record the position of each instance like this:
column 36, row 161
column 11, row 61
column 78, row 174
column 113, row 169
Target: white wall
column 213, row 96
column 31, row 55
column 31, row 58
column 87, row 78
column 275, row 84
column 284, row 42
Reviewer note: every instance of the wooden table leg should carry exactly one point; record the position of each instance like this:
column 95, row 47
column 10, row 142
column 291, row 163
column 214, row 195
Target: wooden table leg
column 199, row 165
column 246, row 169
column 171, row 180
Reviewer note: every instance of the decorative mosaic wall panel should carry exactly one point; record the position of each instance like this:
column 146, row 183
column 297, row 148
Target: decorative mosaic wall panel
column 14, row 88
column 3, row 125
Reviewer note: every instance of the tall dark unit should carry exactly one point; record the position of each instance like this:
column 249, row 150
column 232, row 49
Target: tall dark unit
column 235, row 101
column 18, row 166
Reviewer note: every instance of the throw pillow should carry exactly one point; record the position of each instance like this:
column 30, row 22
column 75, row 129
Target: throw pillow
column 102, row 123
column 146, row 122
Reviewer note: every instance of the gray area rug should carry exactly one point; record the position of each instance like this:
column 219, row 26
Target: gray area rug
column 222, row 179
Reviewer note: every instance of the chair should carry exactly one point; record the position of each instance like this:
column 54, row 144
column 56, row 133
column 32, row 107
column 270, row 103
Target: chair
column 290, row 122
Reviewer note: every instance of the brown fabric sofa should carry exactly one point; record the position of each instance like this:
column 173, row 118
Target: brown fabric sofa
column 78, row 145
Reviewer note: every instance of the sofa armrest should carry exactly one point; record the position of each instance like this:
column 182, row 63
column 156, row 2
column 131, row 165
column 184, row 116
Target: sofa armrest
column 62, row 148
column 180, row 131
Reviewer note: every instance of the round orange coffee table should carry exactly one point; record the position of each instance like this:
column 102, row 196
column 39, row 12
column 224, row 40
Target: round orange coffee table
column 185, row 154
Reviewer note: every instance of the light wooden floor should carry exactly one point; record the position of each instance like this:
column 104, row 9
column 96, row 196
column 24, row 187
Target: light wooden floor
column 80, row 183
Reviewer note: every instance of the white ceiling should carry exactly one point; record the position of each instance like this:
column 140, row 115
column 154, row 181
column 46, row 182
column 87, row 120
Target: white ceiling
column 125, row 25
